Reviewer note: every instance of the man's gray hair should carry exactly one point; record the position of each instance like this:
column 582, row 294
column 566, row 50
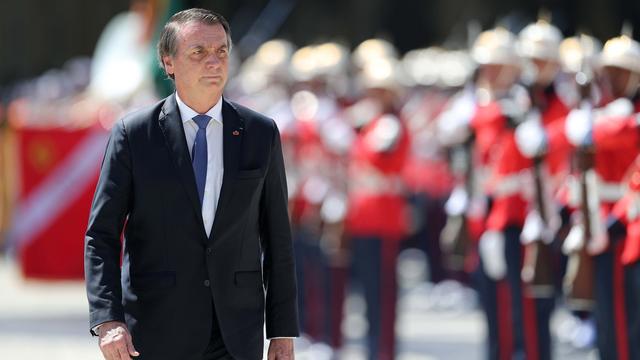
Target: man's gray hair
column 168, row 44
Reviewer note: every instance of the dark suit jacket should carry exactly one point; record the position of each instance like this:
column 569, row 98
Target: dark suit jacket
column 172, row 274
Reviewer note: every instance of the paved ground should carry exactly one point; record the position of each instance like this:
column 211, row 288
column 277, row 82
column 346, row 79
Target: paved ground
column 44, row 320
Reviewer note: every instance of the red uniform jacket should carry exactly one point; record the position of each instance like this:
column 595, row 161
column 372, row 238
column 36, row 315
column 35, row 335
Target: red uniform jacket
column 377, row 205
column 496, row 147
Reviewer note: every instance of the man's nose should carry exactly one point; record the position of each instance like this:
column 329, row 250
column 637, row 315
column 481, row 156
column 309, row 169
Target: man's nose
column 212, row 60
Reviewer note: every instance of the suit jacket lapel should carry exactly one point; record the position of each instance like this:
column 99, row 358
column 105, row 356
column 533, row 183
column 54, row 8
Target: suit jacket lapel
column 232, row 135
column 173, row 130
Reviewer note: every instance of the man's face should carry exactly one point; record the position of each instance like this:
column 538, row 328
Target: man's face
column 620, row 82
column 499, row 76
column 200, row 65
column 546, row 71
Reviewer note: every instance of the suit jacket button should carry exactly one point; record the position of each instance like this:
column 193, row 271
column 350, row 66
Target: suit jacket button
column 209, row 250
column 207, row 283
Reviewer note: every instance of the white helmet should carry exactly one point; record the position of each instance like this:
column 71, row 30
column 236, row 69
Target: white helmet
column 273, row 58
column 332, row 59
column 577, row 51
column 422, row 66
column 304, row 64
column 456, row 68
column 622, row 52
column 496, row 46
column 373, row 49
column 275, row 53
column 381, row 73
column 539, row 40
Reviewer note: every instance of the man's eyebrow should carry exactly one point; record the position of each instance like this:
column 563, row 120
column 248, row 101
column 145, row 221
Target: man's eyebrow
column 200, row 46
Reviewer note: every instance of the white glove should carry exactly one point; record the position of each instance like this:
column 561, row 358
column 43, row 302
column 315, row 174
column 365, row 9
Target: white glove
column 619, row 107
column 531, row 137
column 536, row 229
column 458, row 201
column 599, row 243
column 386, row 133
column 453, row 123
column 574, row 241
column 533, row 229
column 491, row 249
column 578, row 126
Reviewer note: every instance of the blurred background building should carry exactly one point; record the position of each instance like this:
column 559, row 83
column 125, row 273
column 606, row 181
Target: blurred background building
column 41, row 35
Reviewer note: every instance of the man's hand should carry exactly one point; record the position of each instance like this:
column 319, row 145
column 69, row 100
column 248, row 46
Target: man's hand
column 280, row 349
column 115, row 341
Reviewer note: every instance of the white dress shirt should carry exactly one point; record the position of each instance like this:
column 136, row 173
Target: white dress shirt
column 215, row 165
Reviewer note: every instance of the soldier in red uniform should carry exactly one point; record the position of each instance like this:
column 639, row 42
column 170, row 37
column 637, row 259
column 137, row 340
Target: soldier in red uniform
column 611, row 131
column 426, row 173
column 377, row 215
column 577, row 57
column 538, row 45
column 313, row 109
column 483, row 117
column 625, row 222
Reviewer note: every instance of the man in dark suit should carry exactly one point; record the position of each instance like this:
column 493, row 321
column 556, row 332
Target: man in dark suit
column 200, row 183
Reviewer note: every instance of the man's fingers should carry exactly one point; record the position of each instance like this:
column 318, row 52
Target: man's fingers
column 111, row 353
column 115, row 348
column 115, row 342
column 280, row 349
column 130, row 349
column 106, row 354
column 123, row 354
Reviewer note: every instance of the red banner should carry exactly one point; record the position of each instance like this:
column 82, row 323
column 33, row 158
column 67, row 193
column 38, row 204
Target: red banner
column 58, row 169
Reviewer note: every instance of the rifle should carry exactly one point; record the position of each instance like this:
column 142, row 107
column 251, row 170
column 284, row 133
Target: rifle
column 579, row 277
column 455, row 239
column 537, row 269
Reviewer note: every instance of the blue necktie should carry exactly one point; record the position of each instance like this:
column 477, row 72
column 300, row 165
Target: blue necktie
column 199, row 153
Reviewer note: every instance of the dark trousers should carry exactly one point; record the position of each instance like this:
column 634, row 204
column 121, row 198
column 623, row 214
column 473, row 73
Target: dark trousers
column 432, row 219
column 309, row 259
column 609, row 311
column 488, row 294
column 320, row 290
column 530, row 317
column 632, row 302
column 373, row 268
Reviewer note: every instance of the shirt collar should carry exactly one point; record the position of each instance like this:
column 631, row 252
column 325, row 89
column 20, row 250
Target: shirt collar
column 187, row 113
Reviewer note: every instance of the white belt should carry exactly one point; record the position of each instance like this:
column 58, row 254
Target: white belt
column 610, row 191
column 377, row 184
column 509, row 185
column 607, row 191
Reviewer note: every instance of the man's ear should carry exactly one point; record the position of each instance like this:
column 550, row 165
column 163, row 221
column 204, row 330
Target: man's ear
column 168, row 64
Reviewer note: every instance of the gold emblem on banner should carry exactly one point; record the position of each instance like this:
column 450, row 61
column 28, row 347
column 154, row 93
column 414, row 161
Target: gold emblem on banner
column 41, row 155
